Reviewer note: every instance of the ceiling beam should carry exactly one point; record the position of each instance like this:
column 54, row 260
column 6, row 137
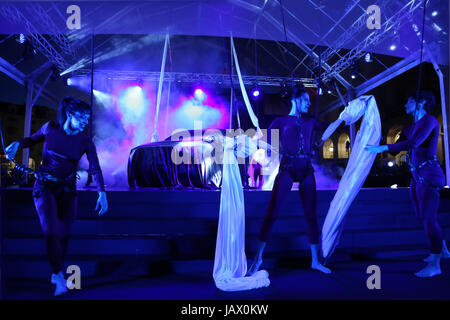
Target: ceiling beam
column 383, row 77
column 21, row 78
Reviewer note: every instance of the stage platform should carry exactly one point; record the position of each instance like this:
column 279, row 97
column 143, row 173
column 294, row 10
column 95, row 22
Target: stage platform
column 163, row 232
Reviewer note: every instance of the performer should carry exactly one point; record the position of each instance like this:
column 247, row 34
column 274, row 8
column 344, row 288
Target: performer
column 427, row 175
column 296, row 139
column 54, row 191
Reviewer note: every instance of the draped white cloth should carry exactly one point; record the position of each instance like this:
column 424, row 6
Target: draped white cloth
column 155, row 135
column 252, row 115
column 230, row 262
column 358, row 166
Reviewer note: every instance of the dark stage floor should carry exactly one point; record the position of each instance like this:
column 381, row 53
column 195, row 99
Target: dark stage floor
column 348, row 281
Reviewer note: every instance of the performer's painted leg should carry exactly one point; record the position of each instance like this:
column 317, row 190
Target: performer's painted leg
column 445, row 254
column 281, row 187
column 309, row 200
column 55, row 227
column 429, row 204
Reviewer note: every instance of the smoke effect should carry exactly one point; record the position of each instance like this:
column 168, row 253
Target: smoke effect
column 326, row 178
column 124, row 119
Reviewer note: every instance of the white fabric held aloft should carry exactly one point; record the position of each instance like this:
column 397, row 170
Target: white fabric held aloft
column 358, row 167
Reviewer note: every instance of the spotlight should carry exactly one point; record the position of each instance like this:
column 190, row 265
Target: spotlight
column 256, row 92
column 436, row 27
column 434, row 14
column 390, row 164
column 320, row 86
column 200, row 94
column 331, row 85
column 283, row 90
column 55, row 73
column 69, row 81
column 21, row 38
column 355, row 69
column 393, row 47
column 368, row 57
column 394, row 186
column 28, row 50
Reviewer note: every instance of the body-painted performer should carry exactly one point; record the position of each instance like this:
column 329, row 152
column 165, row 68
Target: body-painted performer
column 296, row 133
column 427, row 176
column 54, row 191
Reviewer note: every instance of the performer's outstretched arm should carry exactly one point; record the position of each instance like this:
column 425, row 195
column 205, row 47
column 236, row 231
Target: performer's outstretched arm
column 38, row 136
column 94, row 168
column 331, row 128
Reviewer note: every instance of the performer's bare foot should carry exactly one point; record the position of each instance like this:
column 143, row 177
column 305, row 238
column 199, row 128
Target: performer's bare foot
column 257, row 261
column 315, row 264
column 319, row 267
column 255, row 266
column 429, row 271
column 445, row 254
column 433, row 268
column 60, row 282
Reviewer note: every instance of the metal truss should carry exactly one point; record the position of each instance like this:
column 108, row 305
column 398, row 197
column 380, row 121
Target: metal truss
column 39, row 41
column 58, row 38
column 181, row 77
column 394, row 23
column 304, row 47
column 350, row 33
column 336, row 24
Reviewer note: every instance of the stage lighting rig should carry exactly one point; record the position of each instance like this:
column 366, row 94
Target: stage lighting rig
column 355, row 69
column 368, row 57
column 283, row 90
column 21, row 38
column 256, row 92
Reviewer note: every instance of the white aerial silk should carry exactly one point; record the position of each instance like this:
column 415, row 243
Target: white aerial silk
column 155, row 135
column 358, row 166
column 252, row 115
column 230, row 262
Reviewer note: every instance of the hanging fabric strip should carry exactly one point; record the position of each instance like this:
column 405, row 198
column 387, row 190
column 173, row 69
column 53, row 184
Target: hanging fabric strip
column 232, row 90
column 252, row 115
column 357, row 169
column 166, row 124
column 230, row 262
column 155, row 136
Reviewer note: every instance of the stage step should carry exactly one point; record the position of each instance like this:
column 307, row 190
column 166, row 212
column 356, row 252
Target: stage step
column 159, row 227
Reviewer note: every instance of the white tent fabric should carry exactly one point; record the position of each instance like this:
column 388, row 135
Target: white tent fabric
column 230, row 262
column 358, row 166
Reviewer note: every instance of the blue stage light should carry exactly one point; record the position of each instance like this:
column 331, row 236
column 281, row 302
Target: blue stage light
column 21, row 38
column 256, row 92
column 393, row 47
column 200, row 94
column 69, row 81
